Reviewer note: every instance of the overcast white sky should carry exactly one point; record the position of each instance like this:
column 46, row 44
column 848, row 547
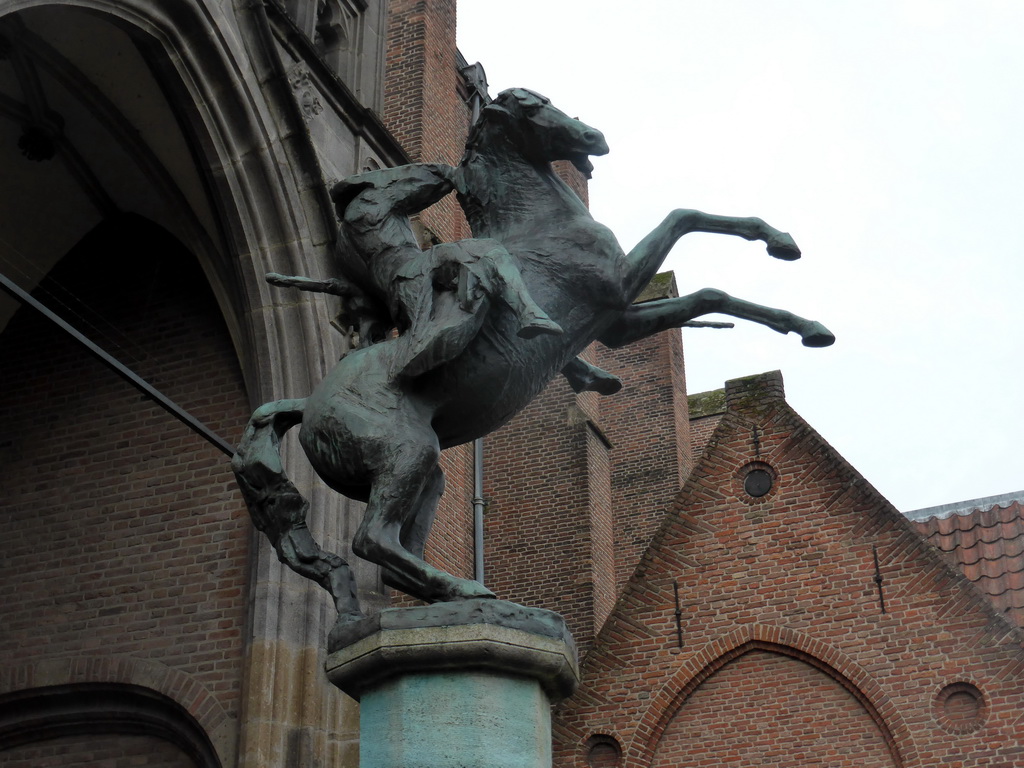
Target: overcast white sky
column 886, row 135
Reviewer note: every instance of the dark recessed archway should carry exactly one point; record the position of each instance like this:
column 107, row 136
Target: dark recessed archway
column 93, row 709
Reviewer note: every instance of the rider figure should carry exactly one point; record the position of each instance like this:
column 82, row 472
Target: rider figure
column 374, row 208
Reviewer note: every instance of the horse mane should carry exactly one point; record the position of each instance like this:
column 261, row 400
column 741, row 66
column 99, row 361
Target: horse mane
column 509, row 102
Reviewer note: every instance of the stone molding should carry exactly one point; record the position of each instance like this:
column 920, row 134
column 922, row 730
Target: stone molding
column 524, row 642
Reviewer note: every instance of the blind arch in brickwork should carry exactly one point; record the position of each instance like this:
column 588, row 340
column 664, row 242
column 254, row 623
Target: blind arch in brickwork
column 704, row 664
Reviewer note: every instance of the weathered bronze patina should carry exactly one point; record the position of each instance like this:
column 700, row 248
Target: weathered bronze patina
column 483, row 325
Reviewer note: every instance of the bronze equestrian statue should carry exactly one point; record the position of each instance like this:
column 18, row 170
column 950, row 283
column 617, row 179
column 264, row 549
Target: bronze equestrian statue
column 482, row 326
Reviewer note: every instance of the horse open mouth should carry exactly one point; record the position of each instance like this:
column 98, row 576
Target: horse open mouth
column 582, row 164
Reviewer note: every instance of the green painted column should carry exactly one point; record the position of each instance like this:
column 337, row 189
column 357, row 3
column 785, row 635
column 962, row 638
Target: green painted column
column 457, row 685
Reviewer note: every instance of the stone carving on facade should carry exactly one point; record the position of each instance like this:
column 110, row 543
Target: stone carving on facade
column 306, row 94
column 337, row 34
column 334, row 24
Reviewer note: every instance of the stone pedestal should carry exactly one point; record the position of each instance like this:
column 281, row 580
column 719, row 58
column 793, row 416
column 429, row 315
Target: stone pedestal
column 455, row 685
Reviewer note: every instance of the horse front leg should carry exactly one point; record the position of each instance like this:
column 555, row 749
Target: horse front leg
column 642, row 320
column 647, row 257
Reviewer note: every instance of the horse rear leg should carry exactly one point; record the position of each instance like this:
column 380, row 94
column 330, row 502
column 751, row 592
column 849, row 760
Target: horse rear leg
column 414, row 533
column 278, row 509
column 397, row 522
column 649, row 254
column 642, row 320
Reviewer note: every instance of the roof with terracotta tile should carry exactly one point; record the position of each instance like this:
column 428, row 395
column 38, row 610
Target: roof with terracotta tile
column 985, row 539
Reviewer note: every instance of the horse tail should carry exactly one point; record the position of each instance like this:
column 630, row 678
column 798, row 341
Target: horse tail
column 279, row 510
column 257, row 462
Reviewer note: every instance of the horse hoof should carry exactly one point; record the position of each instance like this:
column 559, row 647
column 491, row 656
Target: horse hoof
column 818, row 336
column 345, row 631
column 469, row 590
column 444, row 589
column 782, row 246
column 606, row 385
column 456, row 589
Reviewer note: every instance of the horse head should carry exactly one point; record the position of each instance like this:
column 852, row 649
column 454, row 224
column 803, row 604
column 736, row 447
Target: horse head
column 536, row 130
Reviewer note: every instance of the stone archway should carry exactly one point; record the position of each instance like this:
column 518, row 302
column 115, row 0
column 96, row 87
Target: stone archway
column 94, row 721
column 86, row 134
column 181, row 113
column 176, row 112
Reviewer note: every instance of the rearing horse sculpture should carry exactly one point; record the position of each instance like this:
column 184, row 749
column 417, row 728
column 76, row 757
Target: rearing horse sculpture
column 484, row 326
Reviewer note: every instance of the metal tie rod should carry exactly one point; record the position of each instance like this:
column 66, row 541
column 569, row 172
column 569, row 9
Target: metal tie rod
column 122, row 370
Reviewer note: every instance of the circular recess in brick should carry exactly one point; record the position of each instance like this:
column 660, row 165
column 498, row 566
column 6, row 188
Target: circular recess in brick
column 960, row 707
column 757, row 480
column 602, row 751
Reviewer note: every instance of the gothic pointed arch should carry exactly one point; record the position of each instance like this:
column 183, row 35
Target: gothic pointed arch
column 781, row 648
column 217, row 149
column 182, row 113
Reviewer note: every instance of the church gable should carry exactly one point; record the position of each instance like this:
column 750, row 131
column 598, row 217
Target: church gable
column 758, row 625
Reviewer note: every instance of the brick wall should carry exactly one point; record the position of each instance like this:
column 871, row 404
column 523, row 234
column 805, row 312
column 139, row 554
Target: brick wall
column 568, row 173
column 577, row 484
column 98, row 752
column 124, row 534
column 424, row 103
column 772, row 710
column 777, row 593
column 648, row 426
column 452, row 547
column 547, row 528
column 706, row 409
